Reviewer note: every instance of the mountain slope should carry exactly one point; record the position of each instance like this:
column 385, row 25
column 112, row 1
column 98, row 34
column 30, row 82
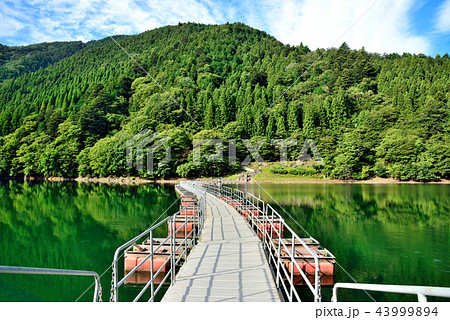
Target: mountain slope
column 17, row 61
column 368, row 114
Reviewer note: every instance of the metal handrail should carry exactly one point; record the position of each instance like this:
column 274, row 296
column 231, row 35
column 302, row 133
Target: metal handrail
column 295, row 237
column 64, row 272
column 248, row 200
column 268, row 242
column 421, row 291
column 197, row 219
column 115, row 267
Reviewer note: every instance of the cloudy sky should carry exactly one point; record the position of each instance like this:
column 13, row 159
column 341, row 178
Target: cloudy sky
column 383, row 26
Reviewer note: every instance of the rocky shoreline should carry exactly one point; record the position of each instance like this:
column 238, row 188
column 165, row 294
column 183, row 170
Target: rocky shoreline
column 141, row 181
column 124, row 180
column 106, row 180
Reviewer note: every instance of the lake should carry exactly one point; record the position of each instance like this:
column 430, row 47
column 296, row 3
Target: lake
column 71, row 226
column 393, row 234
column 379, row 233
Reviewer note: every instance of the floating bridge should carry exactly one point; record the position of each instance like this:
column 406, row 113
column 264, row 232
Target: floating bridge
column 223, row 245
column 228, row 264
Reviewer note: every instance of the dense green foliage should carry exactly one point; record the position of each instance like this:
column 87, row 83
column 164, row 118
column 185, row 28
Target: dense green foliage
column 301, row 171
column 16, row 61
column 369, row 114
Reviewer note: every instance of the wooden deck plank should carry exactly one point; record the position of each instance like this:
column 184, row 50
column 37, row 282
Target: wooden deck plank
column 228, row 264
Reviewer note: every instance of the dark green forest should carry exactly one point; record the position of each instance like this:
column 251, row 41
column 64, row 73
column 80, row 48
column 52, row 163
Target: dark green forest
column 67, row 109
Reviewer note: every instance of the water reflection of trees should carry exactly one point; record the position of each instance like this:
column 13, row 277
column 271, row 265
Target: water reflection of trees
column 70, row 225
column 401, row 204
column 380, row 233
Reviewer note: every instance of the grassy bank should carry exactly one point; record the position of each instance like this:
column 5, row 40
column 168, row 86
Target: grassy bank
column 266, row 176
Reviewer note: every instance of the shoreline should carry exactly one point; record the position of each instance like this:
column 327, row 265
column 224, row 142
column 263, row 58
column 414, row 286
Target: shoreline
column 124, row 180
column 336, row 181
column 284, row 180
column 104, row 180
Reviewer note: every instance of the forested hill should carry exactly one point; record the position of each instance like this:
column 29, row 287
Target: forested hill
column 16, row 61
column 369, row 114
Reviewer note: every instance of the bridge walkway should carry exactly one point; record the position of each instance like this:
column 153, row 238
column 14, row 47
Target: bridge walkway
column 228, row 263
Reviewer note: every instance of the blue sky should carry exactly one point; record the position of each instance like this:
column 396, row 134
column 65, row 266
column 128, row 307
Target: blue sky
column 383, row 26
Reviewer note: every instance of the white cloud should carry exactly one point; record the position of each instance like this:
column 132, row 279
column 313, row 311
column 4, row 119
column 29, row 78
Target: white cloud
column 9, row 26
column 327, row 23
column 443, row 18
column 132, row 16
column 12, row 20
column 384, row 28
column 63, row 20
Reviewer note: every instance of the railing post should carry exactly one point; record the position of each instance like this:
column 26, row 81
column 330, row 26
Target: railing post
column 194, row 223
column 318, row 296
column 272, row 226
column 278, row 260
column 172, row 251
column 334, row 296
column 292, row 267
column 421, row 297
column 152, row 287
column 115, row 290
column 185, row 233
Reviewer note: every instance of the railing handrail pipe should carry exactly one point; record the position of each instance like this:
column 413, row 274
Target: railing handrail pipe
column 125, row 245
column 420, row 291
column 63, row 272
column 171, row 239
column 311, row 252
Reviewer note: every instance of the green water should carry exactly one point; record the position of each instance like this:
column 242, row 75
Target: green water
column 392, row 234
column 396, row 234
column 71, row 226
